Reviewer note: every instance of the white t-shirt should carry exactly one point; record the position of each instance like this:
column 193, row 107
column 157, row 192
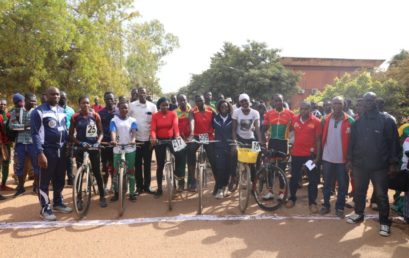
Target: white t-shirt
column 143, row 116
column 245, row 123
column 123, row 129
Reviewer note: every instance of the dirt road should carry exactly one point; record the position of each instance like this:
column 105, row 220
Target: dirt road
column 220, row 232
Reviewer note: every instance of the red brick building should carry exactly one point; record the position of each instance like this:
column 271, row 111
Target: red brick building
column 316, row 73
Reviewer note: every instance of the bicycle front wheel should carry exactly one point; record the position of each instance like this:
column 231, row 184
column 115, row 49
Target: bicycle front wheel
column 81, row 191
column 271, row 187
column 244, row 186
column 200, row 188
column 123, row 187
column 168, row 170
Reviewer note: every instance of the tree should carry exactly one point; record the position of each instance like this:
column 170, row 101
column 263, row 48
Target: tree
column 353, row 86
column 147, row 44
column 252, row 68
column 80, row 46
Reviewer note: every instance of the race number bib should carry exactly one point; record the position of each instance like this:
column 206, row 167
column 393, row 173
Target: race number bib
column 91, row 131
column 255, row 147
column 178, row 144
column 204, row 138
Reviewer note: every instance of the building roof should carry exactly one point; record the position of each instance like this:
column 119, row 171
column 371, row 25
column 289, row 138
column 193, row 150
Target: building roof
column 330, row 62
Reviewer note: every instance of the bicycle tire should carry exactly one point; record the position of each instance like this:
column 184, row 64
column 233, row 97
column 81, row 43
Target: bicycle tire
column 82, row 191
column 200, row 189
column 123, row 183
column 244, row 186
column 169, row 183
column 270, row 178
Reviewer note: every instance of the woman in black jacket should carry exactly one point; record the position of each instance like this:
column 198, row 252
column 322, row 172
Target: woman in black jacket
column 225, row 162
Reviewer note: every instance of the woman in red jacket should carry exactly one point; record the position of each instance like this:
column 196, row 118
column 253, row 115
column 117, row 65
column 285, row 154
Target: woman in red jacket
column 164, row 126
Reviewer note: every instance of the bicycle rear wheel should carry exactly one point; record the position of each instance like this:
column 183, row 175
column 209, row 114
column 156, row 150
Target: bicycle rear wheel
column 271, row 187
column 81, row 192
column 244, row 186
column 123, row 188
column 169, row 183
column 199, row 177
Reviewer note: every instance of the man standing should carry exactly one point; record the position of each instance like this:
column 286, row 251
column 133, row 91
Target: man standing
column 208, row 98
column 142, row 110
column 184, row 130
column 373, row 153
column 20, row 122
column 278, row 121
column 335, row 140
column 107, row 154
column 173, row 103
column 68, row 114
column 134, row 94
column 49, row 133
column 6, row 142
column 96, row 107
column 2, row 147
column 307, row 146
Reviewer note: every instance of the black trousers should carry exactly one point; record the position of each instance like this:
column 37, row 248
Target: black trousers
column 143, row 177
column 379, row 179
column 191, row 160
column 95, row 159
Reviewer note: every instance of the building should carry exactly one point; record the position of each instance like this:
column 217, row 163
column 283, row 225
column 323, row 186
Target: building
column 316, row 73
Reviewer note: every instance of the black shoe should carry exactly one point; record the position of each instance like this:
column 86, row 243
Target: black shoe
column 139, row 191
column 35, row 191
column 132, row 197
column 69, row 182
column 2, row 197
column 115, row 197
column 20, row 191
column 148, row 191
column 102, row 202
column 158, row 193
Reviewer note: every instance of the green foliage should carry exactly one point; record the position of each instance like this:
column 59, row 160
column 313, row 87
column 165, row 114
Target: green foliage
column 353, row 86
column 252, row 68
column 80, row 46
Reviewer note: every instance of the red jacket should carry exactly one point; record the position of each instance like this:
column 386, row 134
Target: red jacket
column 347, row 122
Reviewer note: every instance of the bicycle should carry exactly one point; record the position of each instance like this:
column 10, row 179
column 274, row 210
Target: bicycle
column 264, row 188
column 84, row 181
column 168, row 170
column 201, row 167
column 245, row 158
column 123, row 176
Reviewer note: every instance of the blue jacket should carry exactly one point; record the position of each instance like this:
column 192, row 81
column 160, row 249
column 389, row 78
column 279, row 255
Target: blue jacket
column 223, row 131
column 48, row 127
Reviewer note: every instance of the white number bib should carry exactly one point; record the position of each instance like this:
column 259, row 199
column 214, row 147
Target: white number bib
column 255, row 147
column 91, row 131
column 204, row 138
column 178, row 144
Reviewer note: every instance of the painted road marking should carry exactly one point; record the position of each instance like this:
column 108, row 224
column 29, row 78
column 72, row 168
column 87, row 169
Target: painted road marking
column 179, row 218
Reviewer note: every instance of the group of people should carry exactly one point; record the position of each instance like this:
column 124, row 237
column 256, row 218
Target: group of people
column 348, row 147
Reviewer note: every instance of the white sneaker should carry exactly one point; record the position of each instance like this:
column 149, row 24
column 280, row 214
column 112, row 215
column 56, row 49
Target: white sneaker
column 219, row 195
column 47, row 214
column 62, row 208
column 385, row 230
column 268, row 196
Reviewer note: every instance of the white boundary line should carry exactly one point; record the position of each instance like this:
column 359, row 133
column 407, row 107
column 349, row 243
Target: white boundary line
column 179, row 218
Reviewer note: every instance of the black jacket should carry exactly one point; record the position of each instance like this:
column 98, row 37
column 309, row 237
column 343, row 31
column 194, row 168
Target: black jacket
column 374, row 142
column 223, row 131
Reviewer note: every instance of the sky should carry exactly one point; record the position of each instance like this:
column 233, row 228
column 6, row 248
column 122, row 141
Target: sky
column 364, row 29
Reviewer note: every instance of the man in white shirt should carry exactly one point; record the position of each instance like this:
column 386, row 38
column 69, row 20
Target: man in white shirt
column 142, row 110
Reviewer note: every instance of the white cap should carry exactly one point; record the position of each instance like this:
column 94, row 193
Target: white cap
column 244, row 96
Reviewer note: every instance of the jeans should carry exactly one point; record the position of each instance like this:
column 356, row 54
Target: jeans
column 21, row 151
column 313, row 178
column 143, row 180
column 379, row 179
column 339, row 172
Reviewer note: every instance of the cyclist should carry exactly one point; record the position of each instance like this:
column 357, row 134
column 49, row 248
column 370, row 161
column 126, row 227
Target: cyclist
column 123, row 131
column 107, row 155
column 164, row 126
column 278, row 121
column 87, row 127
column 184, row 129
column 201, row 117
column 224, row 156
column 245, row 123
